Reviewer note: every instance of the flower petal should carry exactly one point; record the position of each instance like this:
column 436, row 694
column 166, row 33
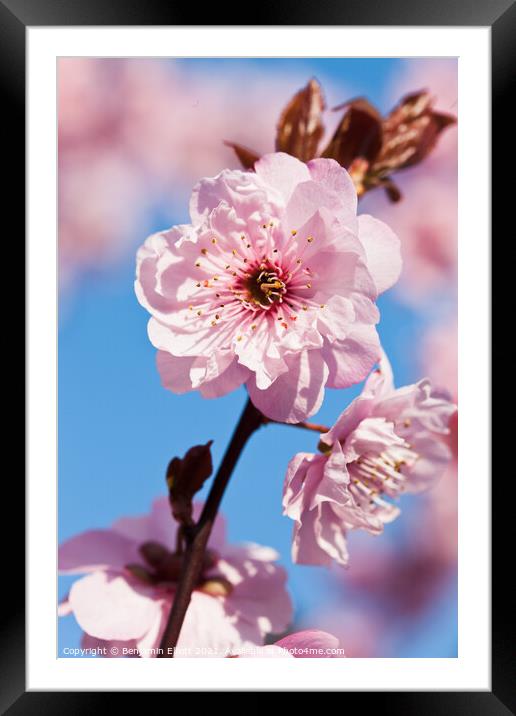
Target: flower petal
column 383, row 253
column 350, row 360
column 96, row 549
column 174, row 371
column 108, row 607
column 297, row 393
column 309, row 642
column 282, row 173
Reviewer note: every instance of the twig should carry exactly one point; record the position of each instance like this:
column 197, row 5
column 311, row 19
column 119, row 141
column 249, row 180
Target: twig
column 306, row 426
column 197, row 539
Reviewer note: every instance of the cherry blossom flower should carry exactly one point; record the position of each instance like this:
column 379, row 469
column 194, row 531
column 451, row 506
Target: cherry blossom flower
column 131, row 572
column 306, row 644
column 385, row 443
column 273, row 285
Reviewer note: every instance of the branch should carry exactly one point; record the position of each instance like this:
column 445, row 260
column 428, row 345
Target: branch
column 197, row 538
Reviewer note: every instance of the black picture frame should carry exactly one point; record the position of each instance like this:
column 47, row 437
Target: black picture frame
column 500, row 15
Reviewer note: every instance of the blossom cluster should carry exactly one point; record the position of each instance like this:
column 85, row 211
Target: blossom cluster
column 131, row 571
column 272, row 286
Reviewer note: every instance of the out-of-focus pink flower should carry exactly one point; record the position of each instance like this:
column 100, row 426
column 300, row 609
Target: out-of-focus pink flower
column 350, row 622
column 426, row 223
column 273, row 285
column 95, row 218
column 385, row 443
column 155, row 126
column 401, row 579
column 131, row 571
column 439, row 354
column 306, row 644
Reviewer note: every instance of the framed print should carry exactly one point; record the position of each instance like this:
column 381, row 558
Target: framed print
column 258, row 365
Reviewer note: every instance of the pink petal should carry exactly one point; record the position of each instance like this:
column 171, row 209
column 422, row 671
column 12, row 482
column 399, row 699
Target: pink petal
column 297, row 484
column 434, row 457
column 305, row 546
column 372, row 436
column 350, row 360
column 381, row 381
column 313, row 484
column 261, row 597
column 330, row 533
column 331, row 188
column 108, row 607
column 304, row 642
column 282, row 172
column 336, row 180
column 207, row 631
column 163, row 271
column 159, row 526
column 241, row 191
column 96, row 549
column 175, row 372
column 382, row 248
column 152, row 639
column 231, row 378
column 296, row 394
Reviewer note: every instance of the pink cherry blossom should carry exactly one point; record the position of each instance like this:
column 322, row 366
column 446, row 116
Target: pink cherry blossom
column 131, row 571
column 306, row 644
column 272, row 285
column 385, row 443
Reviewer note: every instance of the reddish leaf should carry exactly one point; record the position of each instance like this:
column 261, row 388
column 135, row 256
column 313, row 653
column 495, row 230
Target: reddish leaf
column 246, row 156
column 358, row 136
column 410, row 133
column 300, row 127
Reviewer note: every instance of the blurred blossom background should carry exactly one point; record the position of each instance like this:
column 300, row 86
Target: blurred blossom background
column 135, row 135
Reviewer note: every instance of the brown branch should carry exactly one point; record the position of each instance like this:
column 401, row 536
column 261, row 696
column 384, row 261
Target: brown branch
column 197, row 538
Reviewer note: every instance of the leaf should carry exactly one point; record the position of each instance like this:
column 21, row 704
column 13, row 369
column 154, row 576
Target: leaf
column 300, row 127
column 246, row 156
column 358, row 136
column 410, row 133
column 185, row 477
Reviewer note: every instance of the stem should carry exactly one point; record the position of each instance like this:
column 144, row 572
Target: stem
column 196, row 541
column 307, row 426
